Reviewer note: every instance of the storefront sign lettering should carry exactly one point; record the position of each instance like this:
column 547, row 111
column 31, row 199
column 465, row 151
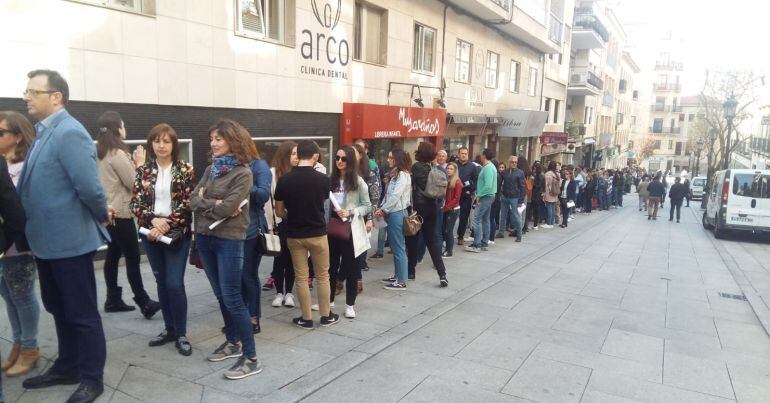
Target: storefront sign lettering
column 325, row 48
column 370, row 121
column 425, row 125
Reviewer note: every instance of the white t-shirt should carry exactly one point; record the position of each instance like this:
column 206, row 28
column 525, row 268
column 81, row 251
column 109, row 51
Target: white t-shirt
column 163, row 192
column 14, row 169
column 339, row 195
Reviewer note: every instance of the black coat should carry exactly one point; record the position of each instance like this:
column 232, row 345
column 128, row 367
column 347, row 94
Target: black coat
column 677, row 192
column 11, row 210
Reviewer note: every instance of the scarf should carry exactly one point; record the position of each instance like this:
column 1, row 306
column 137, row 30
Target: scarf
column 223, row 165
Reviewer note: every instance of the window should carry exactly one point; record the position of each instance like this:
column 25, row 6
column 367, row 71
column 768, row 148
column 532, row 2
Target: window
column 670, row 144
column 370, row 31
column 463, row 61
column 756, row 186
column 424, row 48
column 556, row 111
column 532, row 85
column 493, row 62
column 547, row 108
column 690, row 117
column 137, row 6
column 656, row 145
column 657, row 126
column 262, row 19
column 588, row 118
column 515, row 76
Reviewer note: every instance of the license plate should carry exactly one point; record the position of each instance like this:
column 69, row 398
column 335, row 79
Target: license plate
column 742, row 219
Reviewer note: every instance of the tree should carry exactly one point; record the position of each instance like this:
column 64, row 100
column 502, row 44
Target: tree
column 712, row 126
column 647, row 148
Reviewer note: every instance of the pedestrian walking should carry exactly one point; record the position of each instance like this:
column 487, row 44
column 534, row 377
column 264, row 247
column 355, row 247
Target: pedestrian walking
column 513, row 188
column 643, row 192
column 117, row 174
column 161, row 203
column 61, row 175
column 657, row 192
column 676, row 195
column 350, row 204
column 688, row 192
column 284, row 160
column 426, row 207
column 394, row 209
column 300, row 197
column 451, row 208
column 225, row 184
column 485, row 196
column 17, row 266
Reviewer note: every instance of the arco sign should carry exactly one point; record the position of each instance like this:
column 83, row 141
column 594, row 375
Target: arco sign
column 321, row 46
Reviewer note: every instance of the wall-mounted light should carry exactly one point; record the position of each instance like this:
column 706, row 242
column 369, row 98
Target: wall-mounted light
column 419, row 102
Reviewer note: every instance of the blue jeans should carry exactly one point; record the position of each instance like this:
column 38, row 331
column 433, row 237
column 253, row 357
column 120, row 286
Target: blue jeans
column 601, row 199
column 252, row 290
column 619, row 196
column 17, row 286
column 450, row 219
column 481, row 223
column 381, row 240
column 168, row 265
column 550, row 211
column 222, row 260
column 509, row 210
column 398, row 243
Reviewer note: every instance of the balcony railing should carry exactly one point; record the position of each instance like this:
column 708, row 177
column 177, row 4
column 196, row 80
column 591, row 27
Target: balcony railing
column 589, row 21
column 667, row 87
column 584, row 77
column 608, row 99
column 668, row 66
column 665, row 130
column 665, row 108
column 555, row 30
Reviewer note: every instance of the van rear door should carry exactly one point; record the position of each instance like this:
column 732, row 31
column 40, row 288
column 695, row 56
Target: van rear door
column 747, row 203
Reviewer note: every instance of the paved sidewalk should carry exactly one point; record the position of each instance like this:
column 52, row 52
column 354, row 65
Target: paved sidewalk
column 615, row 308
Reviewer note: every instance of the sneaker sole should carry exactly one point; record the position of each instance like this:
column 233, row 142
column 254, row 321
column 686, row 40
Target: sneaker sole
column 224, row 358
column 330, row 324
column 234, row 378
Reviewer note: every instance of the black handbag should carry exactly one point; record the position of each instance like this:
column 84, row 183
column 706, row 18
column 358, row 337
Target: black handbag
column 338, row 229
column 195, row 259
column 268, row 244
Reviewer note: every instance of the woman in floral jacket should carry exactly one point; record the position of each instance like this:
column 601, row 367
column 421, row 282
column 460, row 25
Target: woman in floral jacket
column 161, row 203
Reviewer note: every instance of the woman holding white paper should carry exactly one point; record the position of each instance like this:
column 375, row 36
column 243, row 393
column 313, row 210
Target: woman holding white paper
column 161, row 204
column 224, row 186
column 349, row 205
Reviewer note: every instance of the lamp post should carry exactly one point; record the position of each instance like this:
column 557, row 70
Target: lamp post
column 699, row 147
column 729, row 106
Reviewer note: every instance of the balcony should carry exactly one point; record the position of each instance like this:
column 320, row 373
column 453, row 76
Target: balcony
column 555, row 30
column 584, row 82
column 525, row 20
column 665, row 130
column 665, row 87
column 608, row 99
column 588, row 32
column 668, row 66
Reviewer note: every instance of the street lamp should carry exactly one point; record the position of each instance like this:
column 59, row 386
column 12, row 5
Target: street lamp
column 730, row 105
column 699, row 147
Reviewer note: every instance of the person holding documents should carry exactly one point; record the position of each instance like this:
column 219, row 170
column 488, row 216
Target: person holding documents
column 218, row 199
column 161, row 204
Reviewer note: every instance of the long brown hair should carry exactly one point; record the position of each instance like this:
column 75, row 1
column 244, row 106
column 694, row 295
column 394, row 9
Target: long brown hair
column 237, row 138
column 351, row 171
column 108, row 134
column 157, row 132
column 454, row 178
column 364, row 170
column 22, row 129
column 282, row 158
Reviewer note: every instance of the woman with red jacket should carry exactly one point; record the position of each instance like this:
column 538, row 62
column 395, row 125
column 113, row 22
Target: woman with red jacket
column 451, row 208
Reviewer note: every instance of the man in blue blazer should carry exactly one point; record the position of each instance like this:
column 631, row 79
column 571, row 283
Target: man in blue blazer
column 66, row 210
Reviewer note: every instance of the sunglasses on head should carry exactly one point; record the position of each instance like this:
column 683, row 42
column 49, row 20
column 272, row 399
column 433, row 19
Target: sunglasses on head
column 340, row 158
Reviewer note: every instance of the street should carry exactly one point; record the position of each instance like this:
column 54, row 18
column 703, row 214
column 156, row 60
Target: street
column 615, row 308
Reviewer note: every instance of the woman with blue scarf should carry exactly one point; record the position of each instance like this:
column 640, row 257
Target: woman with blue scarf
column 221, row 222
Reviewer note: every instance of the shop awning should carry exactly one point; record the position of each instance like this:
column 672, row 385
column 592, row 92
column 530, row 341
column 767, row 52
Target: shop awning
column 521, row 123
column 370, row 121
column 462, row 119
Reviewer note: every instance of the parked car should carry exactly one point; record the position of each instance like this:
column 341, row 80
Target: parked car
column 739, row 201
column 697, row 185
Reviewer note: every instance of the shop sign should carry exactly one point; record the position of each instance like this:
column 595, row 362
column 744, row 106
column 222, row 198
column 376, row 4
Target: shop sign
column 328, row 55
column 384, row 121
column 520, row 123
column 553, row 138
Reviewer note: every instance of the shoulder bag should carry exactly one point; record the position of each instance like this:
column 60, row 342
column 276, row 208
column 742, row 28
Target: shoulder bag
column 269, row 244
column 412, row 222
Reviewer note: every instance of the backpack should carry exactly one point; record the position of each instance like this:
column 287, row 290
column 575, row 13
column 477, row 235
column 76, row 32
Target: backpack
column 602, row 184
column 555, row 191
column 437, row 183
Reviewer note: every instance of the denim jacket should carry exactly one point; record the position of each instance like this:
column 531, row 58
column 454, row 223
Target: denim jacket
column 399, row 194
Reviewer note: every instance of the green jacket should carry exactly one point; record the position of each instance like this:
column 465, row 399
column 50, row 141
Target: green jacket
column 487, row 182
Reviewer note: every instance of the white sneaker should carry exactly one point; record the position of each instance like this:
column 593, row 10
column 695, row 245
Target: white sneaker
column 278, row 301
column 491, row 242
column 469, row 239
column 349, row 312
column 546, row 226
column 289, row 300
column 315, row 307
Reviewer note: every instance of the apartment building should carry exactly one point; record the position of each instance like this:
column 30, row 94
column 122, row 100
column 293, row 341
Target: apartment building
column 396, row 72
column 760, row 143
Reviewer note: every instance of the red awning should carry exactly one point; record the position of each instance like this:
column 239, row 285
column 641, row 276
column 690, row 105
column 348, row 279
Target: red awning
column 369, row 121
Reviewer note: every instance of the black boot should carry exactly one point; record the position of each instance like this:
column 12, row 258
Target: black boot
column 115, row 302
column 149, row 308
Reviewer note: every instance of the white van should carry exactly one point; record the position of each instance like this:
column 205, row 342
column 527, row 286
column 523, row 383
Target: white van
column 739, row 201
column 696, row 187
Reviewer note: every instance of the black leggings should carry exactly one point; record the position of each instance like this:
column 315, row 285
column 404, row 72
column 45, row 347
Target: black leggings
column 343, row 265
column 428, row 230
column 283, row 268
column 564, row 211
column 124, row 243
column 537, row 205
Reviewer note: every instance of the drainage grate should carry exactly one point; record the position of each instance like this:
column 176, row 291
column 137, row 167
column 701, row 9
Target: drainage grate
column 739, row 297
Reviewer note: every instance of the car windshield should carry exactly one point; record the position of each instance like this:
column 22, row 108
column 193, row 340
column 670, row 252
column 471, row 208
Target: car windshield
column 752, row 185
column 698, row 182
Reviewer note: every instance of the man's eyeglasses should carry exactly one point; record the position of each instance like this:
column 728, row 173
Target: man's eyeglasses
column 33, row 93
column 340, row 158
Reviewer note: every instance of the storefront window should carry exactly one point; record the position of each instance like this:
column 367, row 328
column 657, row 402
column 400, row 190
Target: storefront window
column 268, row 145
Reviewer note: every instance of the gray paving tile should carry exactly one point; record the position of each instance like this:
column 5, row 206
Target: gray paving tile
column 151, row 386
column 633, row 346
column 499, row 349
column 545, row 380
column 644, row 391
column 434, row 389
column 698, row 375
